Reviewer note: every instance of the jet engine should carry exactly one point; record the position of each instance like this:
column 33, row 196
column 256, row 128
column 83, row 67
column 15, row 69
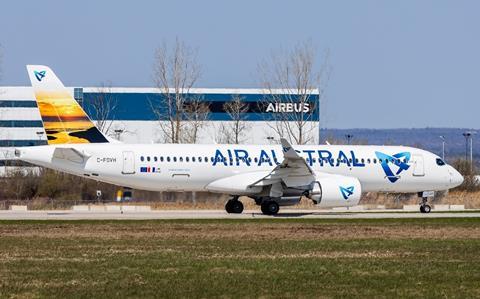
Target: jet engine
column 335, row 191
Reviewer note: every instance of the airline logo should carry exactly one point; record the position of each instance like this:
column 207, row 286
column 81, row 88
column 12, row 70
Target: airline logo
column 398, row 161
column 39, row 75
column 347, row 191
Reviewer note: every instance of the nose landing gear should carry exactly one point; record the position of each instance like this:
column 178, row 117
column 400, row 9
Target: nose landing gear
column 424, row 207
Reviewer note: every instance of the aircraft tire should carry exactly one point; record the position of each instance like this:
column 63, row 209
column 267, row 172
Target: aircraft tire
column 427, row 208
column 422, row 210
column 270, row 207
column 236, row 207
column 228, row 207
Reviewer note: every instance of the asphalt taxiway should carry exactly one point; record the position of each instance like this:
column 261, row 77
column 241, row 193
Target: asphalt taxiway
column 219, row 214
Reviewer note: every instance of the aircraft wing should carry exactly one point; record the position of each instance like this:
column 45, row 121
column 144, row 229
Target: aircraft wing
column 293, row 171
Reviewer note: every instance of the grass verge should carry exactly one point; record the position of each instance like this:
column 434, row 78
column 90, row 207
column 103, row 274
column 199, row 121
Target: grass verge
column 241, row 258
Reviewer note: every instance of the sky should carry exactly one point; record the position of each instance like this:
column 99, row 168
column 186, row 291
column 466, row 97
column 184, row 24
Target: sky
column 396, row 64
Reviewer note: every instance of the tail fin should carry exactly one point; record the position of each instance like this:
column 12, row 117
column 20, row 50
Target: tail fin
column 63, row 118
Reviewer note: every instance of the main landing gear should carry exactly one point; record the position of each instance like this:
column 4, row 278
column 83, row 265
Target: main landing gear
column 234, row 206
column 424, row 207
column 270, row 207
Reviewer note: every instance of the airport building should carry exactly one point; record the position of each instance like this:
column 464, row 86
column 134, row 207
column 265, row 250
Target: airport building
column 137, row 115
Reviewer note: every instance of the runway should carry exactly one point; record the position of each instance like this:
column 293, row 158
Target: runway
column 220, row 214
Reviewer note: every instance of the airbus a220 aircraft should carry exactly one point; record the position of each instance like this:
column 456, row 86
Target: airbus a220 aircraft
column 278, row 175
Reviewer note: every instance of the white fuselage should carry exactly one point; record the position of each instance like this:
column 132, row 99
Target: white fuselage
column 191, row 167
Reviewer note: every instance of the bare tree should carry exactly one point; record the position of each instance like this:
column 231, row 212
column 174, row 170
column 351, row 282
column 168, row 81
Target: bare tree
column 175, row 71
column 233, row 131
column 196, row 113
column 291, row 80
column 103, row 107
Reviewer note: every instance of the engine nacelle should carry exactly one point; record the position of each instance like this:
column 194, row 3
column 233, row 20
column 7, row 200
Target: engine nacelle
column 335, row 191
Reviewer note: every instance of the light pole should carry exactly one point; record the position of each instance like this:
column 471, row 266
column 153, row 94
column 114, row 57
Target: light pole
column 443, row 147
column 469, row 136
column 349, row 137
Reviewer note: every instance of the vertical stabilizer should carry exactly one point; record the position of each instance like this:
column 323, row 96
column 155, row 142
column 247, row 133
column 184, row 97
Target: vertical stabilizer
column 63, row 118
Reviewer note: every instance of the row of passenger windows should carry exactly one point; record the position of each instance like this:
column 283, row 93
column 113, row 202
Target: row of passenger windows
column 195, row 159
column 256, row 160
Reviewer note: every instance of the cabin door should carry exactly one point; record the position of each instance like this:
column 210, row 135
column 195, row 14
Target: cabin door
column 128, row 163
column 418, row 165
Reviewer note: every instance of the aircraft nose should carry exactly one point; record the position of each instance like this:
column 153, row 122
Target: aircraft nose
column 456, row 178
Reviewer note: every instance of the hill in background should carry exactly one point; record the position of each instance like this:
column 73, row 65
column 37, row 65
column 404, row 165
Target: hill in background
column 425, row 138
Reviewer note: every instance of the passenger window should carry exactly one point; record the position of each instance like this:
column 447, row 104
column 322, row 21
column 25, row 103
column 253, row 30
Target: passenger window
column 148, row 158
column 168, row 159
column 142, row 158
column 155, row 159
column 174, row 159
column 374, row 161
column 368, row 161
column 199, row 159
column 187, row 159
column 440, row 162
column 363, row 160
column 161, row 159
column 256, row 160
column 181, row 159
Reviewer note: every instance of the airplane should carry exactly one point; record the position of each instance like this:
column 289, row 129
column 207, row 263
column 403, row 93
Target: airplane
column 271, row 175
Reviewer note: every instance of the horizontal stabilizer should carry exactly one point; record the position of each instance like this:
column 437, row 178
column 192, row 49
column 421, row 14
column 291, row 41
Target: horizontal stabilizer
column 70, row 154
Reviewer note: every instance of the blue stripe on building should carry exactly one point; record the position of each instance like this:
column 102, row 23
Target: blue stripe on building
column 19, row 143
column 18, row 103
column 138, row 106
column 21, row 124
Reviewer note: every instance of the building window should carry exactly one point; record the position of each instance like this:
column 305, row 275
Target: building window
column 78, row 95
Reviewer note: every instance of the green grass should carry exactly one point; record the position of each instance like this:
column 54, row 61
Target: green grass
column 241, row 258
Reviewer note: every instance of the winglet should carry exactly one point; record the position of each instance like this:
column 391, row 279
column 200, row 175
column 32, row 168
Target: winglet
column 288, row 151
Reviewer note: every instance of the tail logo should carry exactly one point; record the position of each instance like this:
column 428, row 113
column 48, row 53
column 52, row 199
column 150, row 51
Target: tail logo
column 399, row 160
column 39, row 75
column 347, row 191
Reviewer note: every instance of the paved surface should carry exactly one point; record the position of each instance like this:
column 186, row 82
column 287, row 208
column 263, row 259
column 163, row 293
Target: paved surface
column 219, row 214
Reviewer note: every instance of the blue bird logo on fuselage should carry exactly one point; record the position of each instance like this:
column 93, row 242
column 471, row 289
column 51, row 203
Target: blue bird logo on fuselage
column 400, row 160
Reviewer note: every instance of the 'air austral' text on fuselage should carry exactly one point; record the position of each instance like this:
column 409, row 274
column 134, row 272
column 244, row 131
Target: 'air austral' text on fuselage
column 237, row 157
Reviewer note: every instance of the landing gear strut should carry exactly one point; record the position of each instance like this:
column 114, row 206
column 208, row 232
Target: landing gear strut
column 270, row 207
column 424, row 207
column 234, row 206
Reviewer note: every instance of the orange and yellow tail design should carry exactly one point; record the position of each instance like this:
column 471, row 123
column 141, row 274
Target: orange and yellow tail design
column 63, row 118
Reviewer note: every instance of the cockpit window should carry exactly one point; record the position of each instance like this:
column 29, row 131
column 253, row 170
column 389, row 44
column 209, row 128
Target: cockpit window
column 440, row 162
